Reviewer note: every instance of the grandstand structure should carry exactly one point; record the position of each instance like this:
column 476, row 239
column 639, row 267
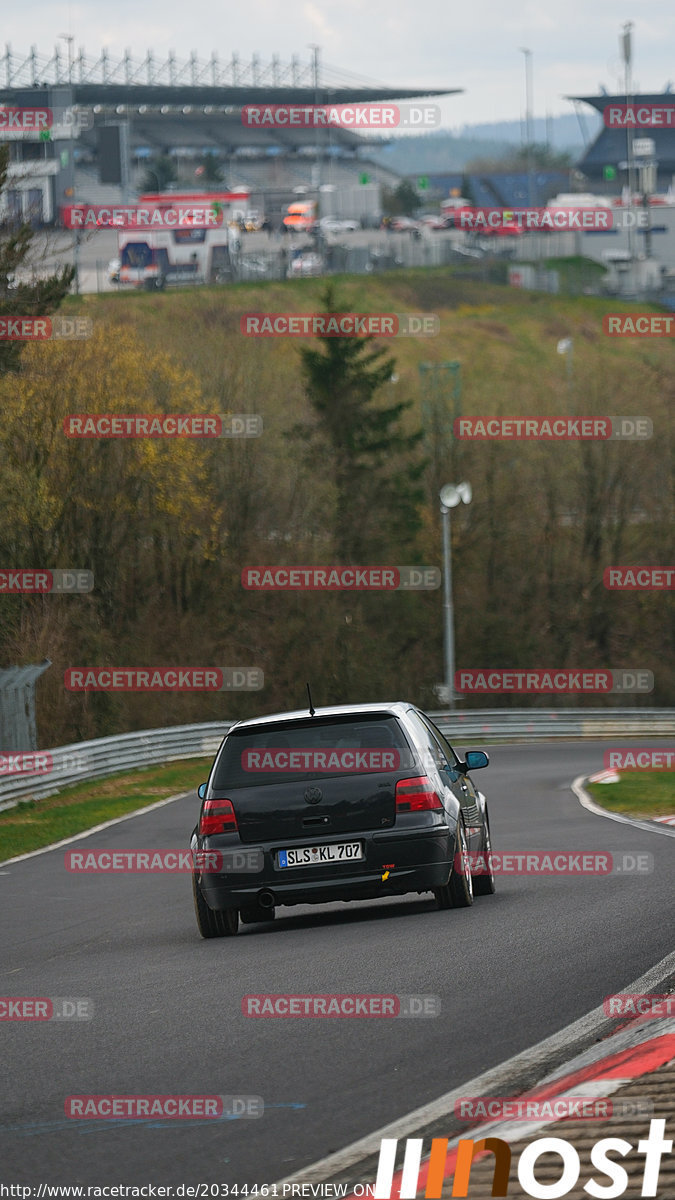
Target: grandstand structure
column 610, row 146
column 502, row 189
column 185, row 110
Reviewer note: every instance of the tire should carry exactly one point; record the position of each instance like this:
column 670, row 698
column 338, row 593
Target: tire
column 252, row 914
column 458, row 891
column 484, row 885
column 442, row 895
column 212, row 922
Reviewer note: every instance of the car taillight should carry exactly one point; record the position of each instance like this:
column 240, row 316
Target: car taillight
column 416, row 795
column 218, row 816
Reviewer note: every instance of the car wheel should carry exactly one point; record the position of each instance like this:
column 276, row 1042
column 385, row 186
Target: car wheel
column 212, row 922
column 458, row 891
column 484, row 885
column 442, row 895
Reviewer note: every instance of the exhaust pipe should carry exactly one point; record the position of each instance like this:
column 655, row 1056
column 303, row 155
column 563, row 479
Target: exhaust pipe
column 265, row 898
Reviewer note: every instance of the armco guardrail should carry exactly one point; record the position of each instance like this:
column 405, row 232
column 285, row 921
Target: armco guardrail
column 106, row 756
column 527, row 724
column 126, row 751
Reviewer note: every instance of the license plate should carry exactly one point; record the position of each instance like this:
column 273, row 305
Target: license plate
column 314, row 856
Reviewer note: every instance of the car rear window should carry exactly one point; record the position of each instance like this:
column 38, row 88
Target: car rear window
column 306, row 749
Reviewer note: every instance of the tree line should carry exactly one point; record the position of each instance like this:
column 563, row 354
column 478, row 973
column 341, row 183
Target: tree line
column 347, row 470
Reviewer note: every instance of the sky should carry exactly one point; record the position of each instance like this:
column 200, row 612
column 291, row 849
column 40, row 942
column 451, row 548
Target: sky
column 432, row 43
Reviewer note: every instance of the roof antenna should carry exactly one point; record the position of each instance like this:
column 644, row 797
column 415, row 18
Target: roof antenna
column 312, row 710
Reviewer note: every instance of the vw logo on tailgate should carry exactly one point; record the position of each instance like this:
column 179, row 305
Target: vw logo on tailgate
column 313, row 795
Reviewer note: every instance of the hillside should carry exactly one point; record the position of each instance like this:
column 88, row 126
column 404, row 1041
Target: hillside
column 167, row 526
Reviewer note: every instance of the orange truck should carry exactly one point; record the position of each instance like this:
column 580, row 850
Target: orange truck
column 301, row 217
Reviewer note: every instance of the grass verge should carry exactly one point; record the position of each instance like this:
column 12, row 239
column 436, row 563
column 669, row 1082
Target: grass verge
column 38, row 823
column 639, row 794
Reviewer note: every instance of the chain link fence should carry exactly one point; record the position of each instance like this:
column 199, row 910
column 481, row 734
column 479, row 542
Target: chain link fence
column 18, row 729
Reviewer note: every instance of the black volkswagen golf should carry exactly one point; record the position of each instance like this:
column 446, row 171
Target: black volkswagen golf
column 352, row 802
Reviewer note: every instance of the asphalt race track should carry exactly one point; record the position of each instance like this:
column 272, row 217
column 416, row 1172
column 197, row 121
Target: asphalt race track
column 511, row 970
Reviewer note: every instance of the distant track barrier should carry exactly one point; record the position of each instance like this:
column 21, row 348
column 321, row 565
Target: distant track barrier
column 32, row 775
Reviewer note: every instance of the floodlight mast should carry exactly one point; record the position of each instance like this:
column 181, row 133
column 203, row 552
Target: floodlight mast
column 528, row 123
column 448, row 615
column 451, row 495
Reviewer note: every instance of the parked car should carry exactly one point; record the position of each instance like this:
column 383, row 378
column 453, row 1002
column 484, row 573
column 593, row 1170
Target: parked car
column 305, row 263
column 250, row 267
column 338, row 225
column 404, row 224
column 351, row 802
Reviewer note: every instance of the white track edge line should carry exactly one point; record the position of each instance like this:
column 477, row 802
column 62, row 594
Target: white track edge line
column 95, row 829
column 590, row 804
column 481, row 1085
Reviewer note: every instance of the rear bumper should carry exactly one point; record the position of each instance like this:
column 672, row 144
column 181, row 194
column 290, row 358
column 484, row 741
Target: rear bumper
column 411, row 862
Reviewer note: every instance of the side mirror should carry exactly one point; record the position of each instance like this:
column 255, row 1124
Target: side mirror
column 475, row 759
column 201, row 790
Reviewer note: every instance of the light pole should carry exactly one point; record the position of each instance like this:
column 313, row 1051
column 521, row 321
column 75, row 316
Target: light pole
column 319, row 145
column 70, row 178
column 528, row 122
column 647, row 166
column 451, row 495
column 627, row 49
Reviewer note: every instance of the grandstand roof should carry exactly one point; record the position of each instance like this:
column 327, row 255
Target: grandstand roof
column 609, row 147
column 196, row 104
column 193, row 81
column 645, row 98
